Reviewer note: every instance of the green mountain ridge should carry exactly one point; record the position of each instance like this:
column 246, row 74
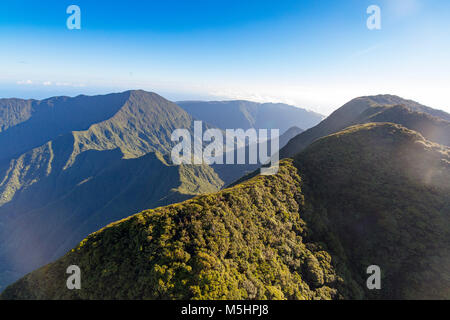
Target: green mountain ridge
column 431, row 127
column 54, row 195
column 183, row 251
column 380, row 196
column 28, row 124
column 116, row 163
column 364, row 109
column 112, row 159
column 287, row 236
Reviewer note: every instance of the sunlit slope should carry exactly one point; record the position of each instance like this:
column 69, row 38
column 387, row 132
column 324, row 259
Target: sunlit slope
column 143, row 124
column 432, row 123
column 374, row 194
column 244, row 242
column 27, row 124
column 13, row 112
column 54, row 195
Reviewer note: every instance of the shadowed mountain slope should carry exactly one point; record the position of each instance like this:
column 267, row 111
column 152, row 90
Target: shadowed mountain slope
column 391, row 100
column 246, row 114
column 371, row 194
column 370, row 109
column 379, row 194
column 432, row 128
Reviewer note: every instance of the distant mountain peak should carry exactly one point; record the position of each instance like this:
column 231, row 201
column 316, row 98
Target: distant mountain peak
column 233, row 114
column 364, row 109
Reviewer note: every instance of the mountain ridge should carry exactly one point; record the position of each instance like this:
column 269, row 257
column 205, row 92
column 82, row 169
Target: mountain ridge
column 248, row 114
column 287, row 236
column 80, row 174
column 351, row 114
column 52, row 117
column 124, row 157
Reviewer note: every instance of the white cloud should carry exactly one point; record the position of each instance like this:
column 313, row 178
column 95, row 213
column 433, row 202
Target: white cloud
column 325, row 98
column 24, row 82
column 70, row 84
column 51, row 83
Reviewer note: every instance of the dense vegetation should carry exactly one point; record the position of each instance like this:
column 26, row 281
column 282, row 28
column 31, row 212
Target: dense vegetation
column 409, row 114
column 242, row 243
column 97, row 160
column 86, row 162
column 371, row 194
column 27, row 124
column 380, row 194
column 13, row 112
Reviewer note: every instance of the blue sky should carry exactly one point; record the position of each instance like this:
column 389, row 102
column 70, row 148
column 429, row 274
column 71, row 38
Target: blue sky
column 314, row 54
